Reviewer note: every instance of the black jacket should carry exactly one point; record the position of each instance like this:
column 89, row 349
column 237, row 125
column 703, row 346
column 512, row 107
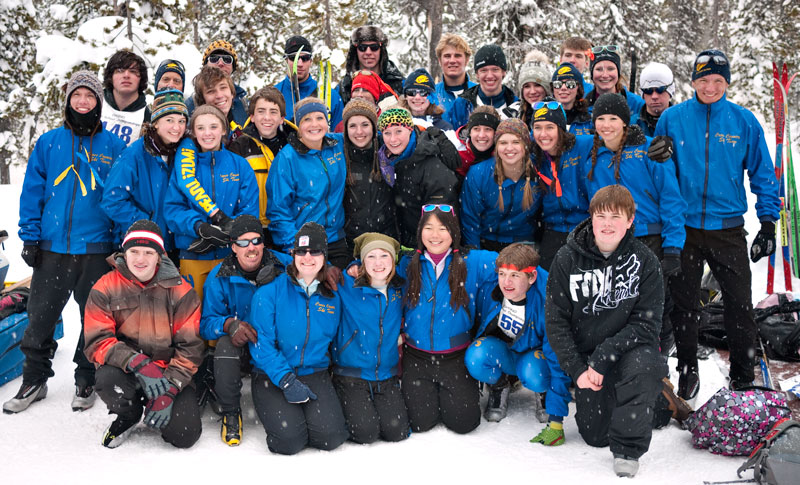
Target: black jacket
column 598, row 309
column 390, row 74
column 368, row 205
column 420, row 179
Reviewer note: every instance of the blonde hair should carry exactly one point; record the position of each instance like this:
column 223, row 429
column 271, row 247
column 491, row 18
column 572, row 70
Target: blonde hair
column 456, row 42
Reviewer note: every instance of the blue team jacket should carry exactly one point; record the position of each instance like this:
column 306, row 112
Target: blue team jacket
column 307, row 185
column 714, row 144
column 366, row 344
column 61, row 194
column 533, row 337
column 446, row 98
column 294, row 329
column 432, row 325
column 480, row 213
column 563, row 213
column 222, row 176
column 660, row 208
column 309, row 88
column 135, row 189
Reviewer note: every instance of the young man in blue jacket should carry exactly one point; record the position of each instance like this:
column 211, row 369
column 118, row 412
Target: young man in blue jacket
column 66, row 237
column 715, row 142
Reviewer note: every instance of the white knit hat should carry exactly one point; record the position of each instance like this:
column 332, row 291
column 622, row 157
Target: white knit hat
column 656, row 75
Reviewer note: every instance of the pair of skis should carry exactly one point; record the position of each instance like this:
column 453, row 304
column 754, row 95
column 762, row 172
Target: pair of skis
column 323, row 84
column 790, row 210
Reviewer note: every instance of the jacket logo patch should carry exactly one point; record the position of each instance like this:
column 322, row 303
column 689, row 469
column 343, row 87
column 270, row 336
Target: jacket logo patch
column 230, row 177
column 723, row 138
column 606, row 288
column 325, row 308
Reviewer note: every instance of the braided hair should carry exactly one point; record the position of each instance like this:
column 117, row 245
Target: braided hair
column 598, row 143
column 500, row 177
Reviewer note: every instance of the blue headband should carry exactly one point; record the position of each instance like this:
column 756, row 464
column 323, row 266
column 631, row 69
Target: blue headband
column 302, row 111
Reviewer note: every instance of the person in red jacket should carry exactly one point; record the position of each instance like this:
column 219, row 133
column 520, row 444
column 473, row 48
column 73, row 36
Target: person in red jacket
column 142, row 333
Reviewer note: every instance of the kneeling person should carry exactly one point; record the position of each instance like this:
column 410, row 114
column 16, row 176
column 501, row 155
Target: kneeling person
column 605, row 298
column 141, row 331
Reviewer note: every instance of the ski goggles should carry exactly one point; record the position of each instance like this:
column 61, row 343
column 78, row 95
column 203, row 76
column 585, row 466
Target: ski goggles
column 716, row 59
column 441, row 207
column 551, row 105
column 304, row 251
column 605, row 48
column 410, row 93
column 569, row 84
column 372, row 47
column 659, row 89
column 243, row 243
column 225, row 58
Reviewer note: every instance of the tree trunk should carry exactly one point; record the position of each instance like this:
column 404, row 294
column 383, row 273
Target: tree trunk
column 435, row 10
column 328, row 37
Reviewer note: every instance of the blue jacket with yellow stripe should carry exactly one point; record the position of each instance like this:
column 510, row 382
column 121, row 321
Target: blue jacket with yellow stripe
column 59, row 208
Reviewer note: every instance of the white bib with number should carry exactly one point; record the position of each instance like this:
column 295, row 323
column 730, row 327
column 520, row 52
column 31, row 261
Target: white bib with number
column 511, row 319
column 125, row 124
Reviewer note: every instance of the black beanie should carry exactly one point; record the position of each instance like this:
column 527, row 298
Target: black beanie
column 296, row 44
column 612, row 104
column 483, row 116
column 243, row 224
column 556, row 116
column 420, row 79
column 311, row 236
column 712, row 62
column 490, row 55
column 606, row 56
column 144, row 233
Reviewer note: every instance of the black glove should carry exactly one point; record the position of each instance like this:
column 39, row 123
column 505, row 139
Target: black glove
column 158, row 411
column 213, row 234
column 221, row 220
column 150, row 376
column 31, row 255
column 764, row 243
column 660, row 149
column 241, row 333
column 201, row 246
column 295, row 391
column 671, row 264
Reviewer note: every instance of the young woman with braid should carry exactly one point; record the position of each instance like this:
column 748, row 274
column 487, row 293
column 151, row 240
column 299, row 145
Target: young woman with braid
column 499, row 198
column 559, row 159
column 620, row 156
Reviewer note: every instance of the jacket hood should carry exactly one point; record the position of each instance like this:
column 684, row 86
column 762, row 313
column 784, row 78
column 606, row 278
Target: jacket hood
column 230, row 267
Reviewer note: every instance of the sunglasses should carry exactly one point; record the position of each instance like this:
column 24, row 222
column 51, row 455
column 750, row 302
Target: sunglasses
column 243, row 243
column 225, row 58
column 304, row 57
column 551, row 105
column 304, row 251
column 604, row 48
column 717, row 59
column 410, row 93
column 372, row 47
column 659, row 90
column 569, row 84
column 441, row 207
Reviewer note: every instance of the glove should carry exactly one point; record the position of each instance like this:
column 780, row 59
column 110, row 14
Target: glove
column 671, row 264
column 241, row 333
column 201, row 246
column 31, row 255
column 158, row 411
column 549, row 437
column 764, row 243
column 213, row 234
column 150, row 376
column 295, row 391
column 221, row 220
column 660, row 149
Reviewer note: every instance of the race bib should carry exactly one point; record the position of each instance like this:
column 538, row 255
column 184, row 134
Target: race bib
column 511, row 319
column 125, row 124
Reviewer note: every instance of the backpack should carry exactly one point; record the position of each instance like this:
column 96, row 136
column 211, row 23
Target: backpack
column 732, row 423
column 778, row 326
column 776, row 460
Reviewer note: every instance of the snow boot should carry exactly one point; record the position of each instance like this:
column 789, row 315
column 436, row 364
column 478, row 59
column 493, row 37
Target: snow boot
column 625, row 466
column 118, row 431
column 27, row 395
column 497, row 405
column 680, row 408
column 688, row 383
column 232, row 428
column 84, row 398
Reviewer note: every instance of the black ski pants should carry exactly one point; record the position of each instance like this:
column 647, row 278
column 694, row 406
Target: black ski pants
column 654, row 243
column 373, row 409
column 56, row 277
column 228, row 374
column 552, row 241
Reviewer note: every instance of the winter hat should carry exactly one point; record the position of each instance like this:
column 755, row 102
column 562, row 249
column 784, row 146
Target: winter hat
column 369, row 81
column 295, row 44
column 309, row 105
column 208, row 109
column 606, row 56
column 490, row 55
column 395, row 116
column 368, row 33
column 567, row 71
column 144, row 233
column 656, row 75
column 712, row 62
column 168, row 102
column 88, row 80
column 359, row 107
column 313, row 237
column 612, row 104
column 483, row 116
column 513, row 126
column 170, row 65
column 557, row 116
column 534, row 73
column 373, row 240
column 220, row 46
column 243, row 224
column 419, row 79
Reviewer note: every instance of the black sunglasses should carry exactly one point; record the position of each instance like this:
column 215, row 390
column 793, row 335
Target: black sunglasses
column 410, row 93
column 304, row 57
column 659, row 90
column 304, row 251
column 569, row 84
column 243, row 243
column 225, row 58
column 372, row 47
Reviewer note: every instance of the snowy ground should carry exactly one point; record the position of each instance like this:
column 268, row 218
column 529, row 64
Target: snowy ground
column 50, row 443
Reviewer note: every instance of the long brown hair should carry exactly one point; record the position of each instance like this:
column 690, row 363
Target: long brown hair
column 598, row 143
column 458, row 267
column 565, row 140
column 500, row 176
column 349, row 148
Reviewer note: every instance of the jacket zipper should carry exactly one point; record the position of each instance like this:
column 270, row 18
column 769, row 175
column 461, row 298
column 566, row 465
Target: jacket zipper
column 327, row 187
column 507, row 211
column 74, row 193
column 433, row 307
column 213, row 181
column 308, row 331
column 705, row 182
column 380, row 326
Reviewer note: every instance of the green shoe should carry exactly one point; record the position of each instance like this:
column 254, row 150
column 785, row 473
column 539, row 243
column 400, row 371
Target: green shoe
column 549, row 437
